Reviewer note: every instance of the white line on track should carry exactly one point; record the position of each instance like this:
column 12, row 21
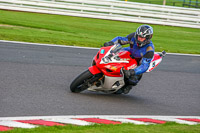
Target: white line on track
column 64, row 46
column 94, row 116
column 49, row 45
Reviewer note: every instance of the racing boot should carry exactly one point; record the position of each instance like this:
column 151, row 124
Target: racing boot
column 133, row 80
column 127, row 89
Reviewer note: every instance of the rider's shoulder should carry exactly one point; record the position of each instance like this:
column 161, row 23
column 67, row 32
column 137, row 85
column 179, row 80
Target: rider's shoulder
column 150, row 44
column 149, row 47
column 130, row 36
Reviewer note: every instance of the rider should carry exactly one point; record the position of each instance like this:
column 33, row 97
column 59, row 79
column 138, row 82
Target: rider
column 141, row 48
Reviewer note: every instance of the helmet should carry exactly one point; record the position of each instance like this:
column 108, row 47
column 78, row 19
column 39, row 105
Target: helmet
column 144, row 31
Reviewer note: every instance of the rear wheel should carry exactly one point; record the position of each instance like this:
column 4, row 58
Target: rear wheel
column 80, row 83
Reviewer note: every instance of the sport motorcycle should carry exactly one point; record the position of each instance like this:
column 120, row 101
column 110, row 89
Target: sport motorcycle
column 106, row 74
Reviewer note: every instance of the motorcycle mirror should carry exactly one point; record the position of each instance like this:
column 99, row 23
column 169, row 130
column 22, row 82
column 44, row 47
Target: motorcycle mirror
column 163, row 53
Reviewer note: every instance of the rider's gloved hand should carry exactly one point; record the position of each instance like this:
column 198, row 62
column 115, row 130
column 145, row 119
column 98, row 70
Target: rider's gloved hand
column 128, row 73
column 106, row 44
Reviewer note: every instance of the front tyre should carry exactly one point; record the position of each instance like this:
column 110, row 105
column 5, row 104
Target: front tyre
column 80, row 83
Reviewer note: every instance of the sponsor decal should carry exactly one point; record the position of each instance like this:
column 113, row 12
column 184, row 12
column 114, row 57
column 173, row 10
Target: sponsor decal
column 125, row 59
column 141, row 54
column 154, row 64
column 114, row 68
column 102, row 51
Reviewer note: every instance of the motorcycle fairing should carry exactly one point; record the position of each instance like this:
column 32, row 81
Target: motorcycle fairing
column 94, row 70
column 113, row 66
column 155, row 62
column 115, row 60
column 113, row 76
column 110, row 85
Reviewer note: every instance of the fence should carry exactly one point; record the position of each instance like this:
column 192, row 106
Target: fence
column 110, row 9
column 190, row 3
column 179, row 3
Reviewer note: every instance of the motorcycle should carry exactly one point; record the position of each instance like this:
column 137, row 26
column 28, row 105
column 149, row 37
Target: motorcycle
column 106, row 73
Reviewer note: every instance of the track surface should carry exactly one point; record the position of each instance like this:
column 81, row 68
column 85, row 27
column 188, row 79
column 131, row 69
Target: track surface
column 35, row 80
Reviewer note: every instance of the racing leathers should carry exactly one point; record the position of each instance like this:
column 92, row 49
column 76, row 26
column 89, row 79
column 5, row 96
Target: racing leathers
column 143, row 55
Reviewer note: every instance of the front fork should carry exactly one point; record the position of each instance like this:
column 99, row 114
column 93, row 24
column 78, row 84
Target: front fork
column 97, row 75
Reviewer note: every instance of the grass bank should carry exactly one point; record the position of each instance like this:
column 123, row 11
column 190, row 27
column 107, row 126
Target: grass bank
column 76, row 31
column 122, row 128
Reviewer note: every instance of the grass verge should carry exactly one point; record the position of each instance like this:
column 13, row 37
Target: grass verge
column 169, row 127
column 76, row 31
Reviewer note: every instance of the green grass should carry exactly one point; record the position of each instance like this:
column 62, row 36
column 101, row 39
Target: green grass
column 77, row 31
column 122, row 128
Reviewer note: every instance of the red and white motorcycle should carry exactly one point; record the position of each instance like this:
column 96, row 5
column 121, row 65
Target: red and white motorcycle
column 106, row 73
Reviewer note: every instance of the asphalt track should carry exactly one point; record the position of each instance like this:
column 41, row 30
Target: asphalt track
column 35, row 80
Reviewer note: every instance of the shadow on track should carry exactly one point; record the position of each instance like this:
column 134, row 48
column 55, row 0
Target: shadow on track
column 121, row 98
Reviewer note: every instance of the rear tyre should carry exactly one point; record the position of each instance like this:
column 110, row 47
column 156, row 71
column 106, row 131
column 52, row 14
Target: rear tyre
column 79, row 83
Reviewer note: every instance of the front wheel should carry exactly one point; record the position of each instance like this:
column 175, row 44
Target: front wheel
column 80, row 83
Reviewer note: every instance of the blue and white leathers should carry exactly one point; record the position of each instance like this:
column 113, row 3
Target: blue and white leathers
column 138, row 52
